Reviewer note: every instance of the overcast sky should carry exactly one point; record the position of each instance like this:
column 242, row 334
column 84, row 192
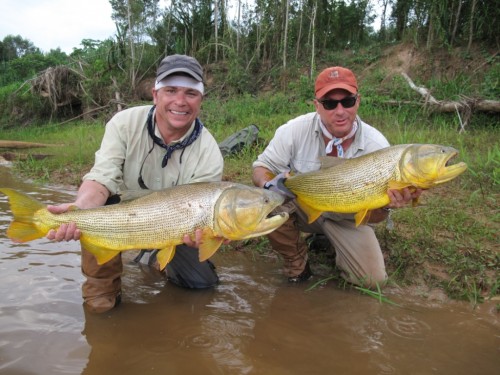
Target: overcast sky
column 50, row 24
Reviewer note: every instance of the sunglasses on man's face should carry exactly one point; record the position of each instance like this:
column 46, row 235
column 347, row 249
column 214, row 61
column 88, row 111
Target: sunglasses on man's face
column 347, row 102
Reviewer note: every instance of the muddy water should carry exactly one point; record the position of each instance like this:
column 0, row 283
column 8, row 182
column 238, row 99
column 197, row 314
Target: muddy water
column 253, row 323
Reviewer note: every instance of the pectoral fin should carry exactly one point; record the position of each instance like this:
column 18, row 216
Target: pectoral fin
column 209, row 245
column 164, row 256
column 362, row 217
column 101, row 254
column 312, row 213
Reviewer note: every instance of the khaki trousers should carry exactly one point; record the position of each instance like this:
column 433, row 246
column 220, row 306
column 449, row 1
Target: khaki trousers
column 358, row 253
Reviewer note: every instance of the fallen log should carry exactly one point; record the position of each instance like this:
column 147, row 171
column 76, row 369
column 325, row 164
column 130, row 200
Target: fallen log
column 21, row 144
column 10, row 156
column 464, row 108
column 469, row 104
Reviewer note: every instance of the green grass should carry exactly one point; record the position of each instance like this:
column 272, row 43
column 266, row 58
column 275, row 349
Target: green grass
column 450, row 242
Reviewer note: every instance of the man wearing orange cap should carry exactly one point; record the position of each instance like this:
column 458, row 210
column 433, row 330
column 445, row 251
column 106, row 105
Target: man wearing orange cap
column 334, row 129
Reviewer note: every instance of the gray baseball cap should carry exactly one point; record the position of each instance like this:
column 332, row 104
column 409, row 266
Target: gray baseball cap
column 179, row 64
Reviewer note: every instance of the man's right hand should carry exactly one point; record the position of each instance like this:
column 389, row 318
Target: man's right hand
column 66, row 232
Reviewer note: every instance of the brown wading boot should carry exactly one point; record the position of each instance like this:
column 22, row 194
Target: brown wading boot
column 102, row 289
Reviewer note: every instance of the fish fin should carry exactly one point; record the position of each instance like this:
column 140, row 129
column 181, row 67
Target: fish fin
column 23, row 207
column 398, row 185
column 101, row 254
column 209, row 245
column 362, row 217
column 330, row 161
column 312, row 213
column 164, row 256
column 23, row 232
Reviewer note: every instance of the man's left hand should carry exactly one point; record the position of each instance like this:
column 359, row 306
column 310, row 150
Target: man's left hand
column 198, row 240
column 400, row 198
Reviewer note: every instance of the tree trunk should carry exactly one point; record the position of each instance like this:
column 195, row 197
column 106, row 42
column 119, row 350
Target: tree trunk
column 216, row 26
column 301, row 7
column 131, row 43
column 285, row 34
column 313, row 29
column 455, row 26
column 471, row 26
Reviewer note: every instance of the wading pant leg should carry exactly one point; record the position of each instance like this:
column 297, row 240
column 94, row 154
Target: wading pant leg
column 103, row 285
column 358, row 253
column 102, row 289
column 287, row 241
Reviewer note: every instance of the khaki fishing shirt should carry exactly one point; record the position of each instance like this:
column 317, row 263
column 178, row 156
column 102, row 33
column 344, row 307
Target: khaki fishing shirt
column 298, row 145
column 126, row 146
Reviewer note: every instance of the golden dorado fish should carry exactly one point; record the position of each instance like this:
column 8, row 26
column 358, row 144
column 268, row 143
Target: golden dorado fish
column 360, row 184
column 222, row 210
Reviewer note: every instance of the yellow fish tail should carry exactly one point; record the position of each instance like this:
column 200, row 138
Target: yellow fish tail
column 23, row 228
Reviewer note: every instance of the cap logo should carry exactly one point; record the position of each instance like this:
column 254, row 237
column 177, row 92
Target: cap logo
column 334, row 74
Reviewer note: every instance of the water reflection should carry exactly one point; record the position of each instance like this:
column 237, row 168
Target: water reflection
column 253, row 323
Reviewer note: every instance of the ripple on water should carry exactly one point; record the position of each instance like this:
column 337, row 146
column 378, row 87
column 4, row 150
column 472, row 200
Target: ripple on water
column 408, row 327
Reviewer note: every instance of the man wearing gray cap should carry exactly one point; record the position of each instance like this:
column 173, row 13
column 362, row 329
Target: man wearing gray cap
column 149, row 147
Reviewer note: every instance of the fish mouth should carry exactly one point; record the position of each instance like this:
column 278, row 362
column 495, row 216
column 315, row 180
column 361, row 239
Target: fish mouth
column 450, row 170
column 270, row 223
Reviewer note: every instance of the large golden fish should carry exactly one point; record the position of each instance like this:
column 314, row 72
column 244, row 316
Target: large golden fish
column 222, row 210
column 360, row 184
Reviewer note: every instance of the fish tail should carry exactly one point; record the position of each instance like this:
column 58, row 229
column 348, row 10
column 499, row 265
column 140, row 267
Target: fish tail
column 23, row 207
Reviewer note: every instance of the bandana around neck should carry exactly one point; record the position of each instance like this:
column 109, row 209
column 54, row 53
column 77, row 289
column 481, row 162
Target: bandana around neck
column 337, row 142
column 198, row 126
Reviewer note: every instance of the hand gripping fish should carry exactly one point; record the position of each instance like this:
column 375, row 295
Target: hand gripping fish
column 360, row 184
column 222, row 210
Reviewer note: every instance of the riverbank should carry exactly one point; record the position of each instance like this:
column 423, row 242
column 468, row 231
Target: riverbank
column 449, row 242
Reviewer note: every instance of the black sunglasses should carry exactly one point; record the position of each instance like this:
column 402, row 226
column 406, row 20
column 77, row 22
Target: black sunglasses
column 347, row 102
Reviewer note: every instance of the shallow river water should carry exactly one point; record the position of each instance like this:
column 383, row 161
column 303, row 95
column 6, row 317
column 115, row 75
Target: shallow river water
column 252, row 323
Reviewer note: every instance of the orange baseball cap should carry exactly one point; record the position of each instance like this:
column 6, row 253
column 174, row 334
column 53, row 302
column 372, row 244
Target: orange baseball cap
column 335, row 78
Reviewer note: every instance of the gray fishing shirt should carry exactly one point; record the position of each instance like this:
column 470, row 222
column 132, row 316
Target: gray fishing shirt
column 126, row 145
